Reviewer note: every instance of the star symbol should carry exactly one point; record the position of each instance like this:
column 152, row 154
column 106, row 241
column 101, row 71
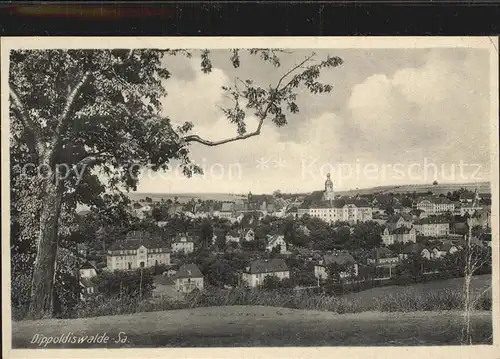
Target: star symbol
column 279, row 162
column 263, row 163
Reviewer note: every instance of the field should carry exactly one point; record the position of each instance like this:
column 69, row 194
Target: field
column 261, row 326
column 366, row 298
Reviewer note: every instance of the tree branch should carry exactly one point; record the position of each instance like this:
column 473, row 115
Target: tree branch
column 26, row 120
column 70, row 101
column 308, row 58
column 197, row 138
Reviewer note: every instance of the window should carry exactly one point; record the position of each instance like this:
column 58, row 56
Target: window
column 129, row 265
column 142, row 264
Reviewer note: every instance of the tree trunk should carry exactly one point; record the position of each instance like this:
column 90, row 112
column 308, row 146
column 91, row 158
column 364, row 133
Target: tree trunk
column 42, row 287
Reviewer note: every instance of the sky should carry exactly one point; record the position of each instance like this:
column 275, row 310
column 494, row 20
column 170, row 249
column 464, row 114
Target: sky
column 394, row 116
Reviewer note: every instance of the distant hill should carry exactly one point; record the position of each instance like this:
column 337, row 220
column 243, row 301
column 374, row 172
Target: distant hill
column 483, row 187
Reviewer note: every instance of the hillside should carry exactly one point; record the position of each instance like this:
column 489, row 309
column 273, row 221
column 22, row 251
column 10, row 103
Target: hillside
column 262, row 326
column 483, row 187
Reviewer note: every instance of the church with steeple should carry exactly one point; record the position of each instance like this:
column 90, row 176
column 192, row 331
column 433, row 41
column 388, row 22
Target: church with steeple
column 329, row 194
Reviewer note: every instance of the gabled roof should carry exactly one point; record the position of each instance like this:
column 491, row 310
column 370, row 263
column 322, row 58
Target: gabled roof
column 401, row 230
column 190, row 270
column 133, row 244
column 338, row 258
column 274, row 238
column 87, row 265
column 414, row 248
column 432, row 220
column 267, row 266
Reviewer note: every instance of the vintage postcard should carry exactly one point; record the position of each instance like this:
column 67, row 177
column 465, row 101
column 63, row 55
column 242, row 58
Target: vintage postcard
column 264, row 197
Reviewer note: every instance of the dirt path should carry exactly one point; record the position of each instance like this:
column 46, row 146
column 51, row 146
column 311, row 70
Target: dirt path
column 257, row 326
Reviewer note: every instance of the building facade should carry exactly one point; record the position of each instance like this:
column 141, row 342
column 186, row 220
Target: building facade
column 436, row 205
column 188, row 278
column 182, row 245
column 399, row 235
column 429, row 227
column 138, row 251
column 258, row 270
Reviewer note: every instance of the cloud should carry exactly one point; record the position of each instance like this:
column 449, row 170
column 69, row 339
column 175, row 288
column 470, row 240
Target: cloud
column 195, row 98
column 435, row 110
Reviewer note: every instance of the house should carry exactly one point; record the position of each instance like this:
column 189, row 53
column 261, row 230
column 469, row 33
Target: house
column 415, row 249
column 436, row 205
column 254, row 274
column 86, row 272
column 161, row 224
column 383, row 257
column 399, row 234
column 400, row 220
column 432, row 227
column 233, row 236
column 188, row 278
column 276, row 242
column 342, row 259
column 182, row 244
column 249, row 235
column 139, row 250
column 444, row 248
column 467, row 197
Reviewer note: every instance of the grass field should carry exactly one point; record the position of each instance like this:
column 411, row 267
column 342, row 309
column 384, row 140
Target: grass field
column 366, row 298
column 261, row 326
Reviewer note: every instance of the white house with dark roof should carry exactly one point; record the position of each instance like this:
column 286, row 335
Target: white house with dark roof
column 139, row 250
column 342, row 259
column 86, row 272
column 188, row 278
column 258, row 270
column 442, row 249
column 233, row 236
column 182, row 244
column 276, row 241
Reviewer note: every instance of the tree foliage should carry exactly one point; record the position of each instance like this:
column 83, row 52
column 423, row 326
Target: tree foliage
column 79, row 113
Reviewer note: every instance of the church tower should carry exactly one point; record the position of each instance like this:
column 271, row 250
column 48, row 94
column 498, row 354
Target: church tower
column 329, row 193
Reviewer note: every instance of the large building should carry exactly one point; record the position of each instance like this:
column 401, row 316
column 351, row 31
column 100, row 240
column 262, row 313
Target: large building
column 399, row 235
column 345, row 210
column 432, row 227
column 331, row 209
column 139, row 250
column 436, row 205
